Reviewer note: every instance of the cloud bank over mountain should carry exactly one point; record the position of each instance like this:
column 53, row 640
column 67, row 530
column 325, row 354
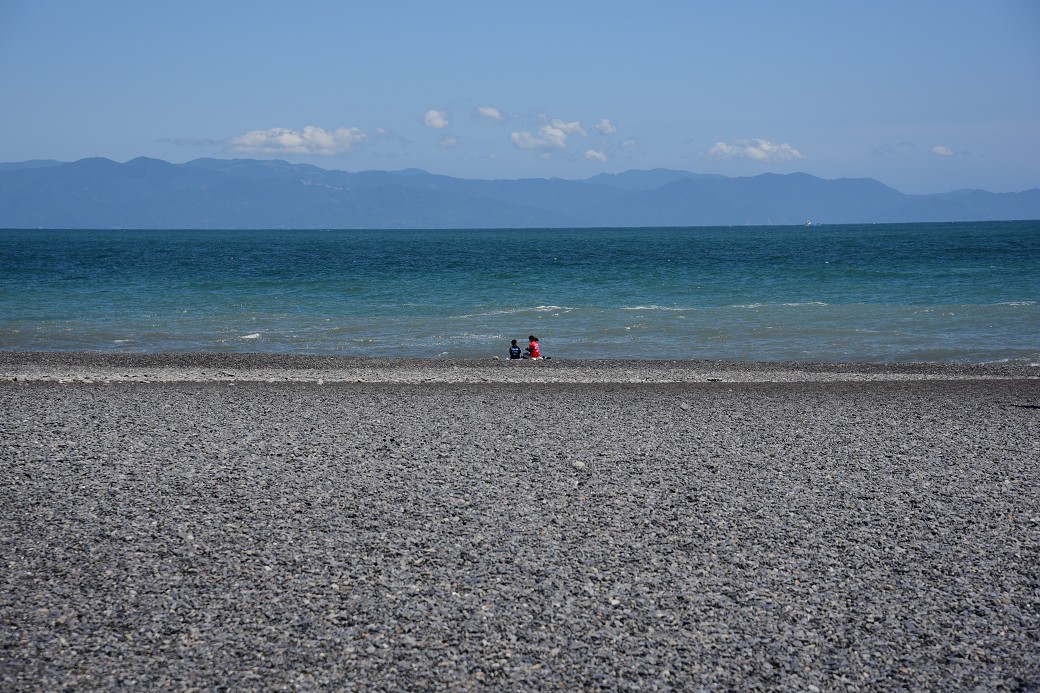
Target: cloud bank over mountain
column 310, row 140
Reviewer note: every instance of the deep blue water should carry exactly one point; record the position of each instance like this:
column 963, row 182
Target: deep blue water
column 915, row 292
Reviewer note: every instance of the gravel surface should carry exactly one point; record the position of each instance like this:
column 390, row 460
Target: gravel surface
column 102, row 367
column 519, row 536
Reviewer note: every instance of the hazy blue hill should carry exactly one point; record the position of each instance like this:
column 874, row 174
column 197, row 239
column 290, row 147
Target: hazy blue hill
column 679, row 203
column 798, row 197
column 567, row 198
column 635, row 180
column 759, row 200
column 246, row 193
column 980, row 205
column 276, row 194
column 34, row 163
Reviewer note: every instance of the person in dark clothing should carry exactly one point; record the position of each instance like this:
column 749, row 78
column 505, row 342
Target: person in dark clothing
column 514, row 351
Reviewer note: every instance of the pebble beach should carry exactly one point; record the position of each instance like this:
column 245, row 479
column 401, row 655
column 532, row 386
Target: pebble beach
column 269, row 522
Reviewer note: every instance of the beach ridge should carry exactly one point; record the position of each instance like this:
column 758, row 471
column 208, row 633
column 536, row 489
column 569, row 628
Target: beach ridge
column 103, row 367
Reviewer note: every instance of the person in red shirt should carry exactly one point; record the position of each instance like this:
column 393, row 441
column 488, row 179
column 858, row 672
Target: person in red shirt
column 532, row 349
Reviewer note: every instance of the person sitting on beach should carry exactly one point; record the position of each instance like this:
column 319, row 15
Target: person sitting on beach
column 514, row 351
column 532, row 349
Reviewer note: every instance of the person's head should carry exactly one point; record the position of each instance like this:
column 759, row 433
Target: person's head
column 533, row 338
column 513, row 343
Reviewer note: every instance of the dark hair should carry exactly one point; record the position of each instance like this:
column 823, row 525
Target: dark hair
column 513, row 342
column 533, row 338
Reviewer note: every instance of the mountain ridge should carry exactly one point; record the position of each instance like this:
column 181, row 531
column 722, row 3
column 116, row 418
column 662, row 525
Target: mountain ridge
column 272, row 193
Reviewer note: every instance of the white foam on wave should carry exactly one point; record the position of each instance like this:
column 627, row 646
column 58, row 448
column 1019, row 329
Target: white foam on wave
column 467, row 337
column 515, row 311
column 801, row 304
column 655, row 307
column 255, row 335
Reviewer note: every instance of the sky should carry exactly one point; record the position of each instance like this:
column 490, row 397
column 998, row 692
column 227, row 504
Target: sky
column 923, row 95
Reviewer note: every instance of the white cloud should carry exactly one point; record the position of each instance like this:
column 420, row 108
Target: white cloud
column 492, row 114
column 572, row 128
column 436, row 119
column 593, row 155
column 312, row 140
column 550, row 137
column 940, row 150
column 631, row 145
column 605, row 127
column 449, row 142
column 757, row 149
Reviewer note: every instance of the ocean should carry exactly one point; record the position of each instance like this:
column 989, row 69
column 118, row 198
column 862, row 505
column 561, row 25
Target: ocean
column 951, row 293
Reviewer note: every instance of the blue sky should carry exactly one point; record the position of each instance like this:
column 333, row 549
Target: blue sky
column 923, row 95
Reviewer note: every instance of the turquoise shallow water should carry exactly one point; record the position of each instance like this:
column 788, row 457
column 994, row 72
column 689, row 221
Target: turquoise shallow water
column 915, row 292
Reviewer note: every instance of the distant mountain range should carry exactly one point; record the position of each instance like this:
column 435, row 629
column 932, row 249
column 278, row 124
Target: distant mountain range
column 253, row 194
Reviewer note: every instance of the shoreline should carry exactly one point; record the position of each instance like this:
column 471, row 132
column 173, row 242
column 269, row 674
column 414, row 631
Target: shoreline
column 116, row 367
